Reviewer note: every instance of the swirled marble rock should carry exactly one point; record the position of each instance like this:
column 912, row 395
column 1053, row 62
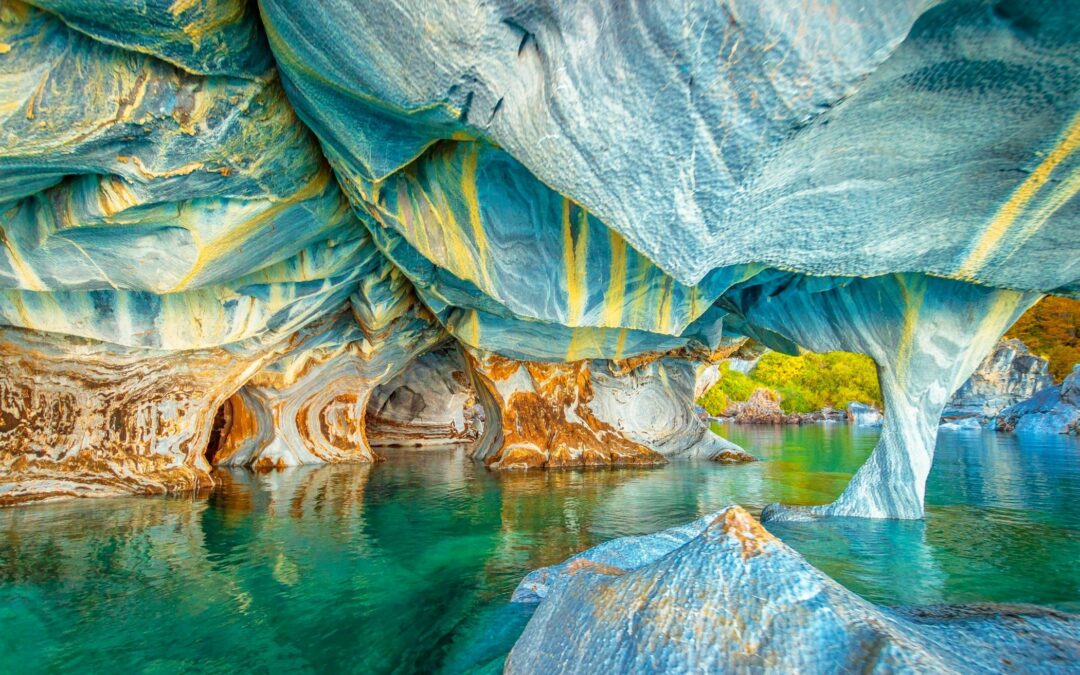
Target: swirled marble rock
column 721, row 594
column 165, row 229
column 544, row 418
column 591, row 413
column 85, row 418
column 223, row 37
column 926, row 335
column 729, row 132
column 431, row 402
column 309, row 406
column 653, row 404
column 162, row 189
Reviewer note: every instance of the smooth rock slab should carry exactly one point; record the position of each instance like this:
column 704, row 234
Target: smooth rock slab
column 723, row 595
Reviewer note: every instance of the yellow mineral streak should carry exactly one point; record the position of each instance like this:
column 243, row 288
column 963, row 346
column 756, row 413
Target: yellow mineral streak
column 616, row 291
column 912, row 291
column 472, row 201
column 233, row 237
column 1012, row 209
column 574, row 262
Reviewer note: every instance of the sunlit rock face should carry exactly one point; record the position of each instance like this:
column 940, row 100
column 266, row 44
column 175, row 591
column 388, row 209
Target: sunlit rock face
column 309, row 406
column 1054, row 409
column 1008, row 375
column 431, row 402
column 723, row 595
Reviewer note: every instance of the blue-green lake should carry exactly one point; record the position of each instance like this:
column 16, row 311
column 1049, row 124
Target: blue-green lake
column 407, row 566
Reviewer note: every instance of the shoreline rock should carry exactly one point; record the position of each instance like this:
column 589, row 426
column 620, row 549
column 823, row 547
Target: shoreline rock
column 723, row 594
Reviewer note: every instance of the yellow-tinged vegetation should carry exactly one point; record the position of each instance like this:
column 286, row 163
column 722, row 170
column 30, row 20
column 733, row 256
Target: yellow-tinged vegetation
column 803, row 383
column 1051, row 329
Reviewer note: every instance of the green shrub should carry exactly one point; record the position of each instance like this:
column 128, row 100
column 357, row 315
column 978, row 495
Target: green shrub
column 805, row 383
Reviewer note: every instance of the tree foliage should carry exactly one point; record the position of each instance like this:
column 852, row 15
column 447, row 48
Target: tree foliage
column 1051, row 329
column 804, row 383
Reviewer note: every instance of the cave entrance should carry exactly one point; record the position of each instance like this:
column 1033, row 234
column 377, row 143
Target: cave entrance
column 431, row 403
column 219, row 431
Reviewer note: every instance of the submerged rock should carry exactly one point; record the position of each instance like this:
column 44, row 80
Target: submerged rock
column 721, row 594
column 1055, row 410
column 1010, row 374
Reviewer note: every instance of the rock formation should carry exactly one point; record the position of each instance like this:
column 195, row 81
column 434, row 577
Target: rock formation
column 721, row 594
column 927, row 335
column 1054, row 409
column 431, row 402
column 862, row 415
column 200, row 179
column 310, row 405
column 594, row 413
column 1010, row 374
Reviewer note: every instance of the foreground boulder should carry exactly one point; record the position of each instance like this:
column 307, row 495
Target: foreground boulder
column 723, row 595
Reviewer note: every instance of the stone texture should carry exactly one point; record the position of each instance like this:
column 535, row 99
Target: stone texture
column 927, row 335
column 1054, row 409
column 721, row 594
column 309, row 406
column 545, row 419
column 775, row 133
column 1010, row 374
column 431, row 402
column 85, row 418
column 594, row 413
column 724, row 159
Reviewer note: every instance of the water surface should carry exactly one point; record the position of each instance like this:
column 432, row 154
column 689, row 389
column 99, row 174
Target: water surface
column 407, row 566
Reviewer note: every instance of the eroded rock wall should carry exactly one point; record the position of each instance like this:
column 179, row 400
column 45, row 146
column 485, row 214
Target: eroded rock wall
column 309, row 406
column 431, row 402
column 589, row 413
column 86, row 418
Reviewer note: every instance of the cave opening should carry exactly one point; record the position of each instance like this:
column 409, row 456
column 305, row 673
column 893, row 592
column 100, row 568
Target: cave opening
column 219, row 431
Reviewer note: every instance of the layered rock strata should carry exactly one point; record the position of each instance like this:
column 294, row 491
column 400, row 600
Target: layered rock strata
column 721, row 594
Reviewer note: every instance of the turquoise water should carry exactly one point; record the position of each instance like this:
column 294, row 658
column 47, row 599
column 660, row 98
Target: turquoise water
column 406, row 566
